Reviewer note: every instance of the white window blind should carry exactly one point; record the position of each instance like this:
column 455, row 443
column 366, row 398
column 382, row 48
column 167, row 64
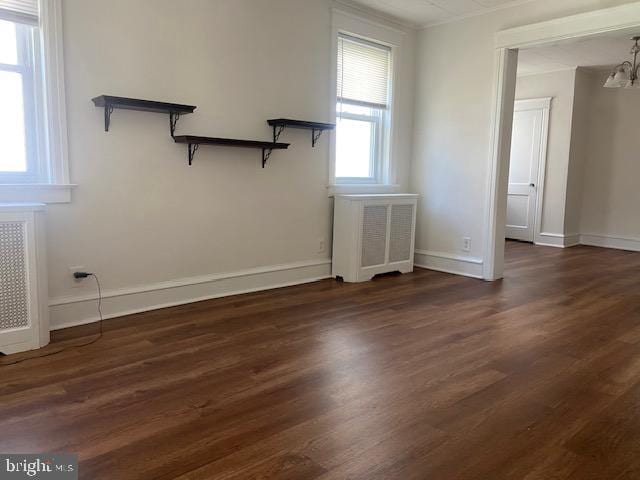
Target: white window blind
column 20, row 11
column 363, row 72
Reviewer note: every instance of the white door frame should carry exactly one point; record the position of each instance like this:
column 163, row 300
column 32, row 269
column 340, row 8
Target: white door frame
column 625, row 17
column 543, row 104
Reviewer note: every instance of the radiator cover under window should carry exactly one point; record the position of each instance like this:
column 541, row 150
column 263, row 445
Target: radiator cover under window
column 373, row 234
column 24, row 311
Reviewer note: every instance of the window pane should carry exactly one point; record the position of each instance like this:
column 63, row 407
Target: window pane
column 354, row 139
column 13, row 156
column 344, row 107
column 8, row 44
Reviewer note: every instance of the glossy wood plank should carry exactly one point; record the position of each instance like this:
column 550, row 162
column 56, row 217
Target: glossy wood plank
column 426, row 375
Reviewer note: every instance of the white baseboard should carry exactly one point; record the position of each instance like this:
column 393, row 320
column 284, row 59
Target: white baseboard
column 557, row 240
column 572, row 240
column 449, row 263
column 79, row 310
column 607, row 241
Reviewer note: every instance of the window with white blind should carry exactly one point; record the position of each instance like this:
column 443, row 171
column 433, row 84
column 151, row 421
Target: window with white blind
column 33, row 163
column 363, row 110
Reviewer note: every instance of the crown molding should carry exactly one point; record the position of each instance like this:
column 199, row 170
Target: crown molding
column 374, row 16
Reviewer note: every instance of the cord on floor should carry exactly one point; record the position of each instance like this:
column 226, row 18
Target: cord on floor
column 71, row 347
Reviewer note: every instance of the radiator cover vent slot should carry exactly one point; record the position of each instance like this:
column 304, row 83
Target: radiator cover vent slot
column 374, row 235
column 14, row 297
column 401, row 234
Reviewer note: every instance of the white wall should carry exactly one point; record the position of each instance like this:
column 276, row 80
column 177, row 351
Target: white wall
column 148, row 224
column 578, row 154
column 455, row 84
column 560, row 86
column 610, row 193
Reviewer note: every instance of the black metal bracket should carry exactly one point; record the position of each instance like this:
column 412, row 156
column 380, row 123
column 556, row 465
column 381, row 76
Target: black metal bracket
column 266, row 153
column 315, row 137
column 277, row 131
column 108, row 110
column 317, row 128
column 173, row 120
column 193, row 148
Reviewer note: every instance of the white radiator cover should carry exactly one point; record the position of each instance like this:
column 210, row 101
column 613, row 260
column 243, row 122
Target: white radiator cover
column 373, row 234
column 24, row 314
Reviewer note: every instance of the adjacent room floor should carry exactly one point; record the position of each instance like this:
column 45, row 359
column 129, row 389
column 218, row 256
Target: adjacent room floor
column 426, row 375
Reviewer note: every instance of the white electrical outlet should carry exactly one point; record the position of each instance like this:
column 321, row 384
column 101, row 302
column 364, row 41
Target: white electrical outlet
column 322, row 245
column 76, row 282
column 466, row 244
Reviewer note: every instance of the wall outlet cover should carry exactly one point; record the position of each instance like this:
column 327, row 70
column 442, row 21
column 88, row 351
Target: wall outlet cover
column 76, row 282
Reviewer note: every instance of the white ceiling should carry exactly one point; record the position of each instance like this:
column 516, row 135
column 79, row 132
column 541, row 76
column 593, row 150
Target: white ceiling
column 593, row 52
column 426, row 12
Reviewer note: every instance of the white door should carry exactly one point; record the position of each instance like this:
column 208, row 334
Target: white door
column 528, row 149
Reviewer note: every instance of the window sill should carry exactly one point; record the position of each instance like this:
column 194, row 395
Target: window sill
column 353, row 189
column 36, row 192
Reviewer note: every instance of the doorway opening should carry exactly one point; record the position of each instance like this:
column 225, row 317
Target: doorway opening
column 530, row 206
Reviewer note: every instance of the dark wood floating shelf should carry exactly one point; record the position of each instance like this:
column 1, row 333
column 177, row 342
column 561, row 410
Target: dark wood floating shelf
column 175, row 110
column 194, row 143
column 279, row 124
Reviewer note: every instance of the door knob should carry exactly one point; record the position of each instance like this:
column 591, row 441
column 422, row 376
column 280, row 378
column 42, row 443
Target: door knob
column 532, row 184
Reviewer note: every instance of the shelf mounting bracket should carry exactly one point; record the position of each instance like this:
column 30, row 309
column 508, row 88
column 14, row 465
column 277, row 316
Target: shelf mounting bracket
column 315, row 136
column 193, row 148
column 277, row 131
column 266, row 153
column 173, row 120
column 108, row 110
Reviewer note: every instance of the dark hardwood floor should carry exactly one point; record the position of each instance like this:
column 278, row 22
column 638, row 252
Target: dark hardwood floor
column 421, row 376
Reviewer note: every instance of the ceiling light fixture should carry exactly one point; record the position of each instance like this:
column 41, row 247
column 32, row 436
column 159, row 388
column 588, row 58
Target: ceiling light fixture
column 626, row 74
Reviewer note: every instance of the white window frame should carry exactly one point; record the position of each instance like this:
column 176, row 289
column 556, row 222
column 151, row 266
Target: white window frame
column 52, row 185
column 27, row 49
column 378, row 144
column 346, row 23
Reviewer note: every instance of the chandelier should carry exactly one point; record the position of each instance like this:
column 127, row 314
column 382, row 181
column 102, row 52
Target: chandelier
column 626, row 74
